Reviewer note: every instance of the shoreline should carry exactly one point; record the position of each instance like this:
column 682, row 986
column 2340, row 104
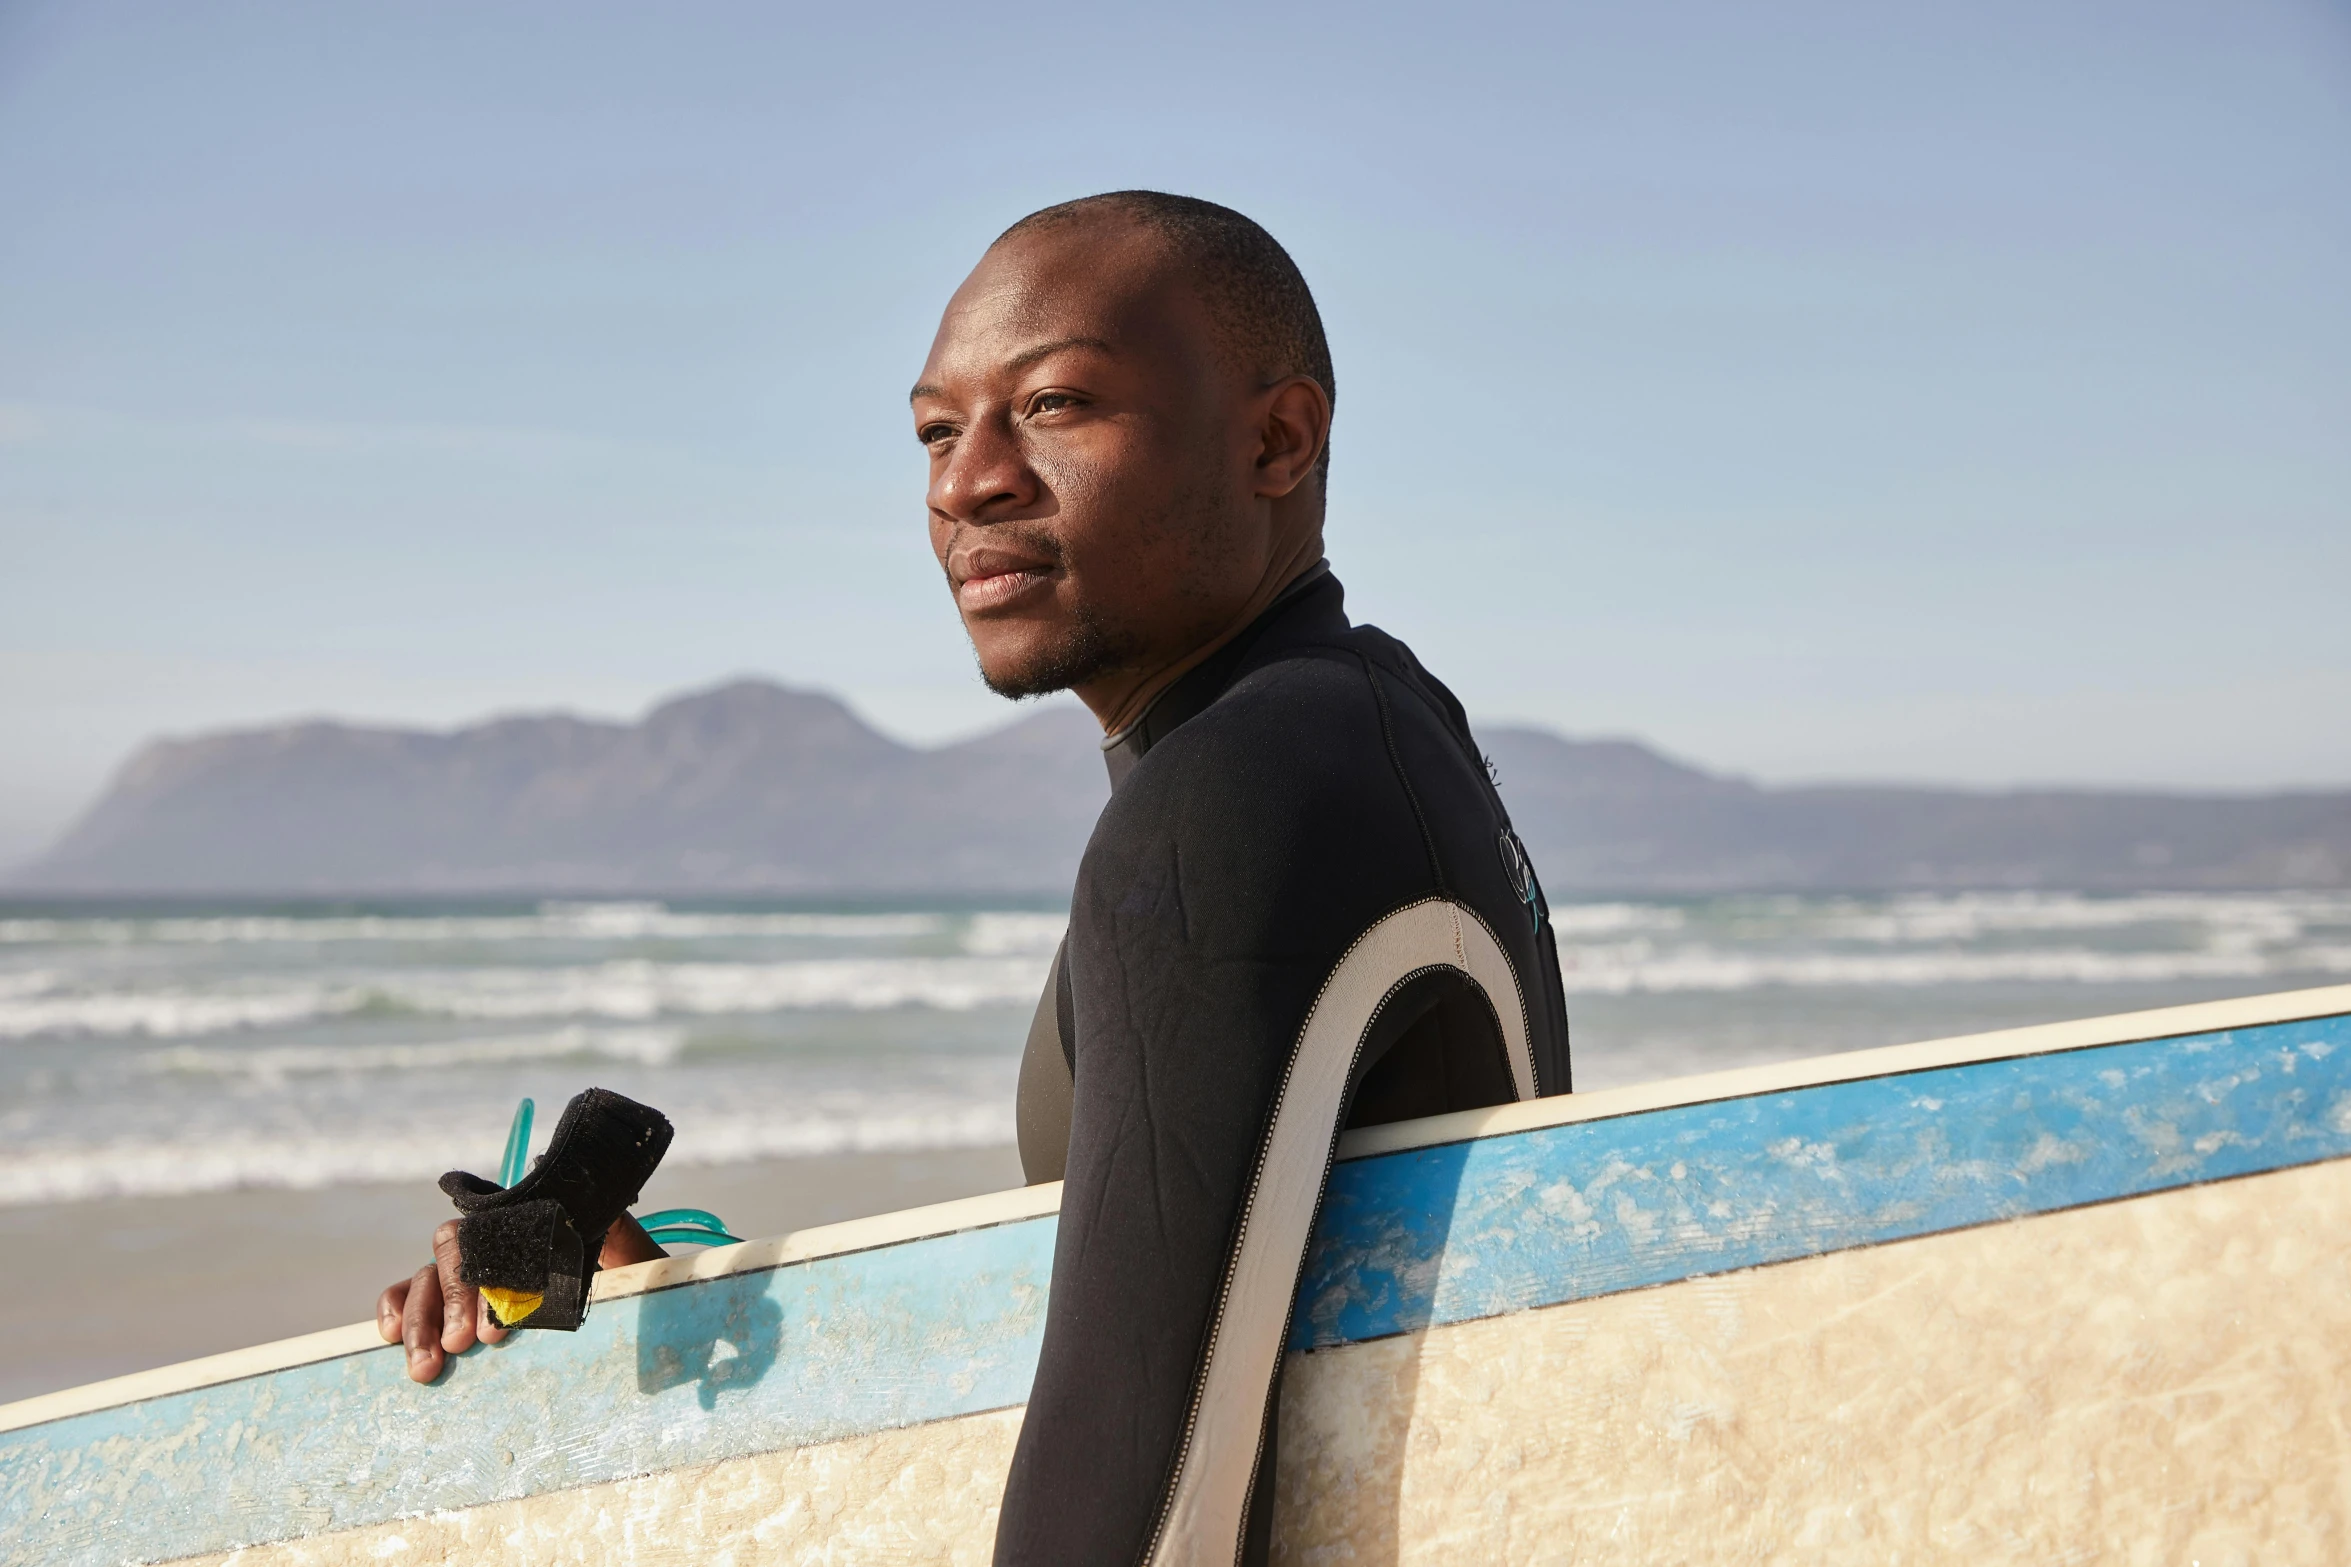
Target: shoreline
column 120, row 1284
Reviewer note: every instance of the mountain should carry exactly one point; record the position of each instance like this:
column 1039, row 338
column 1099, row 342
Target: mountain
column 1616, row 816
column 751, row 787
column 759, row 788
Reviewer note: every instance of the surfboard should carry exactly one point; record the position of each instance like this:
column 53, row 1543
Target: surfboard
column 2063, row 1293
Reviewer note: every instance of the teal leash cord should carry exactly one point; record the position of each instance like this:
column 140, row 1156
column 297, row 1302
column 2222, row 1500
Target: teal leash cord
column 698, row 1225
column 512, row 1166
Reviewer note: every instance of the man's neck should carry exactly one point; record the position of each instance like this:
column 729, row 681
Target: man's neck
column 1118, row 701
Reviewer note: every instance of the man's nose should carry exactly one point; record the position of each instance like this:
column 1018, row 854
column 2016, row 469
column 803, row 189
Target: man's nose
column 986, row 476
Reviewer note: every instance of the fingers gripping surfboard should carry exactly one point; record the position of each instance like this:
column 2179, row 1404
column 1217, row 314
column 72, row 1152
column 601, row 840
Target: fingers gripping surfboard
column 2057, row 1293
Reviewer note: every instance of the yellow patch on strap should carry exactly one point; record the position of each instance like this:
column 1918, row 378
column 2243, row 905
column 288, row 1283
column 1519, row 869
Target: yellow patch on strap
column 512, row 1306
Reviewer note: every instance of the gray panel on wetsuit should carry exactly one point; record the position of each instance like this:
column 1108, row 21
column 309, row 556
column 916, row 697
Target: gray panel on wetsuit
column 1041, row 1110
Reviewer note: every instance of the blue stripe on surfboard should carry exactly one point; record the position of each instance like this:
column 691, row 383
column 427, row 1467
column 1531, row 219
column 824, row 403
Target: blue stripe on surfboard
column 1501, row 1224
column 742, row 1364
column 951, row 1325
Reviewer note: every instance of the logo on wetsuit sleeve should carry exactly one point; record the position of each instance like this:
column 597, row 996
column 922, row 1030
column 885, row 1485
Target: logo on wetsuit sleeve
column 1521, row 873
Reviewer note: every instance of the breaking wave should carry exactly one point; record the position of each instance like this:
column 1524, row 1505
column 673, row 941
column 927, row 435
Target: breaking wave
column 551, row 922
column 235, row 1161
column 272, row 1066
column 1633, row 967
column 2223, row 918
column 629, row 990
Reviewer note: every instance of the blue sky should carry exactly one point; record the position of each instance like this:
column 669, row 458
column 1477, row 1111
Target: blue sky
column 1875, row 391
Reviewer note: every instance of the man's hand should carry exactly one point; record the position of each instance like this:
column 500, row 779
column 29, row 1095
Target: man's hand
column 437, row 1314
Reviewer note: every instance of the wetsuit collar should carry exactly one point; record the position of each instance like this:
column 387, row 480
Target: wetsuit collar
column 1203, row 683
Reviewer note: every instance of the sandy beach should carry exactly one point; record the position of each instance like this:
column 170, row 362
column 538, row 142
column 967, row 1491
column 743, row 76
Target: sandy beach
column 98, row 1289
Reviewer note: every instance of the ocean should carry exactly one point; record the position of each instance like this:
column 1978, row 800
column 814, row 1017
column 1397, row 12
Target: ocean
column 221, row 1125
column 150, row 1052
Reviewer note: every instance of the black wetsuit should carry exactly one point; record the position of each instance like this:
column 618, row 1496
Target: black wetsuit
column 1303, row 909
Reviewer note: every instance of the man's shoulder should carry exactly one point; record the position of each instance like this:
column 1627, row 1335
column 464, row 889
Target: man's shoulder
column 1282, row 789
column 1288, row 738
column 1295, row 705
column 1301, row 723
column 1359, row 681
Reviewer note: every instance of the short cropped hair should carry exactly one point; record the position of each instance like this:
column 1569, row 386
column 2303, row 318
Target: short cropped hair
column 1254, row 290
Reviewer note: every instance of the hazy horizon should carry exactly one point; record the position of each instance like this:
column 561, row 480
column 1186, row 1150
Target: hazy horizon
column 1829, row 393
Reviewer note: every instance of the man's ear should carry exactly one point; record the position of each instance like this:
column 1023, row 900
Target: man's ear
column 1295, row 425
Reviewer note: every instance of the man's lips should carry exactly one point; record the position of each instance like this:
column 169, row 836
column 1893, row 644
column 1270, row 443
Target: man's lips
column 992, row 581
column 997, row 590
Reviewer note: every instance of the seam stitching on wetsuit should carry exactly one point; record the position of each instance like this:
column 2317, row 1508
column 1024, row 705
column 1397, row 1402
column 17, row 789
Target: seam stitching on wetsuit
column 1232, row 1260
column 1526, row 1024
column 1420, row 818
column 1172, row 1482
column 1415, row 680
column 1436, row 869
column 1330, row 1159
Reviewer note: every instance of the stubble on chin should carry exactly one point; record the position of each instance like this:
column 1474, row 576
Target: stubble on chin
column 1082, row 648
column 1087, row 649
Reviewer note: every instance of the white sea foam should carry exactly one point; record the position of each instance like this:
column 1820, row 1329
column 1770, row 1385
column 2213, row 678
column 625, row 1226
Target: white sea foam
column 1636, row 966
column 2267, row 917
column 620, row 990
column 170, row 1014
column 1006, row 935
column 233, row 1161
column 636, row 989
column 736, row 1140
column 30, row 982
column 643, row 991
column 272, row 1066
column 551, row 922
column 1613, row 919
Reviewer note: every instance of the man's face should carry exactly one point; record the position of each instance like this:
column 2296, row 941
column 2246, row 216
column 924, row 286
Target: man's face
column 1091, row 457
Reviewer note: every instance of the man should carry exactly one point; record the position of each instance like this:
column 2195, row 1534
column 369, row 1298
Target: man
column 1303, row 907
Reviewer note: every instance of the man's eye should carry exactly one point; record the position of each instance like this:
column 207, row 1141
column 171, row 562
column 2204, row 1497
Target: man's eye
column 1051, row 402
column 933, row 434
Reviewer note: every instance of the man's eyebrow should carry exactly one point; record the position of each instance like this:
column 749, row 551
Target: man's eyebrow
column 1029, row 356
column 1022, row 360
